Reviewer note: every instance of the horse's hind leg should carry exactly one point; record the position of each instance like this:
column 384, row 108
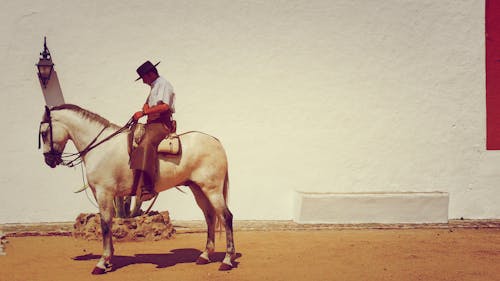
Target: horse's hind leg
column 230, row 251
column 210, row 218
column 226, row 217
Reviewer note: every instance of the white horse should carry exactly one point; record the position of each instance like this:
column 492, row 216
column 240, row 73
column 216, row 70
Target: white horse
column 202, row 166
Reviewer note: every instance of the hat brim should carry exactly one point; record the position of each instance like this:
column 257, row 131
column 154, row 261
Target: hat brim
column 141, row 77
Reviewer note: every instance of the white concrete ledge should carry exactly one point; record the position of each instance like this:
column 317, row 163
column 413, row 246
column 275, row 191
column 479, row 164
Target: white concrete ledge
column 383, row 207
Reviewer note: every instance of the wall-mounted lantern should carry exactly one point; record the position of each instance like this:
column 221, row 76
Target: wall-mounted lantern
column 47, row 76
column 45, row 65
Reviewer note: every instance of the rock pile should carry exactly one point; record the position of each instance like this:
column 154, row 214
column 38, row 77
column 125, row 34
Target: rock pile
column 3, row 241
column 152, row 226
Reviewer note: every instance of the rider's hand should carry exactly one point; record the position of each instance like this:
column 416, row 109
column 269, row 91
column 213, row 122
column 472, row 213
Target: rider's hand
column 137, row 115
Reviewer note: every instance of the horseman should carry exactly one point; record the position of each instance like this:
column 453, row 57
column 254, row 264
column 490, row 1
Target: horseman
column 158, row 108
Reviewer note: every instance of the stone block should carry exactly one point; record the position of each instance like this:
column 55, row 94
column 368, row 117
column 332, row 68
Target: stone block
column 383, row 207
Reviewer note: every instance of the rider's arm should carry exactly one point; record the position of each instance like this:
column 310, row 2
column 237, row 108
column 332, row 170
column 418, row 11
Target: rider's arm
column 159, row 108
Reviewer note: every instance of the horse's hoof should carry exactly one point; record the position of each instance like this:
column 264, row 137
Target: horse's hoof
column 201, row 261
column 98, row 271
column 225, row 267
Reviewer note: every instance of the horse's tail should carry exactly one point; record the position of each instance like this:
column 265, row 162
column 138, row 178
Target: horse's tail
column 225, row 193
column 225, row 189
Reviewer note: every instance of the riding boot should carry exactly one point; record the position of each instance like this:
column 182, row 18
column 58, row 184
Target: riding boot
column 148, row 188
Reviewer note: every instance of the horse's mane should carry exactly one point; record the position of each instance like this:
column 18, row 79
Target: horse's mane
column 84, row 113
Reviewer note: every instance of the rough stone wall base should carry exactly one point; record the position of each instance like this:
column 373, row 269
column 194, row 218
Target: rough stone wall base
column 151, row 226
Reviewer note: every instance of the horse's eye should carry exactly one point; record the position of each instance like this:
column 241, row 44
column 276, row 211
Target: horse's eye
column 44, row 134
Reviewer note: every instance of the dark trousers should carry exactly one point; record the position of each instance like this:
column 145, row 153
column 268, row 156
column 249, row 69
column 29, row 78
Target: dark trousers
column 145, row 156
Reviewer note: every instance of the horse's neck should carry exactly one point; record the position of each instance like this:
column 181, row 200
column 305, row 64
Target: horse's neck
column 81, row 131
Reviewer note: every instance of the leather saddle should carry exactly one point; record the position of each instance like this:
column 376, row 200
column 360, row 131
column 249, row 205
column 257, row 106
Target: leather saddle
column 170, row 145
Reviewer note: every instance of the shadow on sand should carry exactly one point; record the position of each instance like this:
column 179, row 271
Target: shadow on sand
column 175, row 256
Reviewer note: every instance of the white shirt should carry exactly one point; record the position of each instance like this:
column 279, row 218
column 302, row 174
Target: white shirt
column 162, row 90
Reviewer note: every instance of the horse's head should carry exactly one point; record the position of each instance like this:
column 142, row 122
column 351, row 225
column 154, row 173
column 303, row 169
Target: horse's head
column 54, row 136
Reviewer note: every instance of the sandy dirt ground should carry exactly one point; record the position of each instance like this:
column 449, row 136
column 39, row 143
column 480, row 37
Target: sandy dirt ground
column 408, row 254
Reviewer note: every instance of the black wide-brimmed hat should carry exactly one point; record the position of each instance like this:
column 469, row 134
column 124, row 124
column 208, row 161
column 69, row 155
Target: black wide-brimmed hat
column 145, row 68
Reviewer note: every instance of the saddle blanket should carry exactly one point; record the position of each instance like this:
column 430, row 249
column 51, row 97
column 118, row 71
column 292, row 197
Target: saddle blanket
column 170, row 145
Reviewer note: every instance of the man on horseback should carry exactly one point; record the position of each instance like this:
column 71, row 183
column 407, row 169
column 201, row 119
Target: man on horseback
column 159, row 108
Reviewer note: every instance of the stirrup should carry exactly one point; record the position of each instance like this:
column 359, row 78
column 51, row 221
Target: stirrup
column 147, row 195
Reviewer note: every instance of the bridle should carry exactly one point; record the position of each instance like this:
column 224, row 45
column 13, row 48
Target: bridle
column 47, row 113
column 77, row 157
column 52, row 152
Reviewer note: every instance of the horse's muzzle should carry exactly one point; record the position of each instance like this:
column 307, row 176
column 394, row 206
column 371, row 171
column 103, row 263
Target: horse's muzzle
column 52, row 159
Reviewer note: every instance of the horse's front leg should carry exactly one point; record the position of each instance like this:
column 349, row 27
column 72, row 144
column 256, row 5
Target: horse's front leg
column 106, row 210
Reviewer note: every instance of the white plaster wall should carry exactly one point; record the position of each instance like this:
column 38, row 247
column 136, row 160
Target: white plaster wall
column 337, row 96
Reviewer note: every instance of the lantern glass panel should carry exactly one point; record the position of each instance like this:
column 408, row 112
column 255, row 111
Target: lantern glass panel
column 45, row 68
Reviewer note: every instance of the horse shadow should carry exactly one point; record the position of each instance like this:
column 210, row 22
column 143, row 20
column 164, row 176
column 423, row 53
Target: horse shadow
column 176, row 256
